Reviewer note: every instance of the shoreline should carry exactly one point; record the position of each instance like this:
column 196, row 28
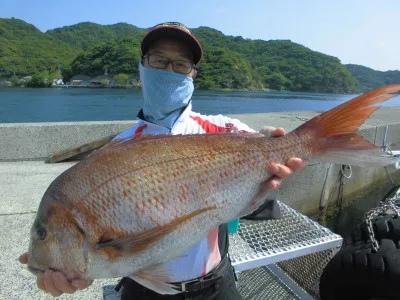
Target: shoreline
column 266, row 90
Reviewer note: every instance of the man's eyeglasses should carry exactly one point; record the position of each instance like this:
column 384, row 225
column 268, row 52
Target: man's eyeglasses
column 160, row 62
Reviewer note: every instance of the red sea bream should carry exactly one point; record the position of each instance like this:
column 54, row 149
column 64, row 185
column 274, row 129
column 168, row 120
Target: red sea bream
column 137, row 203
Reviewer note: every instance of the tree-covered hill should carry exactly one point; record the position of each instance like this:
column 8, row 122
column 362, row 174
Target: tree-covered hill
column 282, row 64
column 230, row 62
column 371, row 79
column 86, row 35
column 25, row 50
column 113, row 57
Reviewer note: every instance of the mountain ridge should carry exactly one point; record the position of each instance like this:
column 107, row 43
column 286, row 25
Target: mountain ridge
column 230, row 62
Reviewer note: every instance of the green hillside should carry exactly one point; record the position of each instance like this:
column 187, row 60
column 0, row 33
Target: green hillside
column 115, row 57
column 229, row 62
column 86, row 35
column 371, row 79
column 282, row 64
column 25, row 50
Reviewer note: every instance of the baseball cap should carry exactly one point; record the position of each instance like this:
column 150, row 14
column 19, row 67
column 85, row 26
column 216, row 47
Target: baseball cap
column 174, row 30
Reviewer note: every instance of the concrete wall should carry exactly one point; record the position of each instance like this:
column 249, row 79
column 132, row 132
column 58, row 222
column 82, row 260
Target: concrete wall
column 316, row 186
column 37, row 141
column 307, row 191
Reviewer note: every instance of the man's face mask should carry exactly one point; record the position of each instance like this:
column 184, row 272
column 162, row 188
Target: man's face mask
column 165, row 94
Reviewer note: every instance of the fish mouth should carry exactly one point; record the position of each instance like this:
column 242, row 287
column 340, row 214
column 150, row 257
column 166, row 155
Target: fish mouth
column 35, row 271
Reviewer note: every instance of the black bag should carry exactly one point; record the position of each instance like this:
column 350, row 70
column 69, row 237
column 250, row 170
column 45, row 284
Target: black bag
column 269, row 210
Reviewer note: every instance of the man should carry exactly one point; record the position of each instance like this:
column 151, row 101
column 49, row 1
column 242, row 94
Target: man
column 170, row 54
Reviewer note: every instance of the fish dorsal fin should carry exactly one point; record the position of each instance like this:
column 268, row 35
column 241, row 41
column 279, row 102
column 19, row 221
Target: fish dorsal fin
column 138, row 242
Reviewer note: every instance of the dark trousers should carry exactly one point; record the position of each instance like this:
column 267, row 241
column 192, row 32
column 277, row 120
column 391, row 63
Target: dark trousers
column 225, row 289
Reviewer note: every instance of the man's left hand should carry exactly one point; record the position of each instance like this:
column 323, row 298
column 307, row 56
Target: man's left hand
column 293, row 164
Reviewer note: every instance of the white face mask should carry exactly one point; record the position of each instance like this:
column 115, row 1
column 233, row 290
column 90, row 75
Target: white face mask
column 165, row 94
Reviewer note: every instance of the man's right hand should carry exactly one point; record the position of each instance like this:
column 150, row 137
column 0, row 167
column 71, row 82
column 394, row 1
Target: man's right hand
column 55, row 283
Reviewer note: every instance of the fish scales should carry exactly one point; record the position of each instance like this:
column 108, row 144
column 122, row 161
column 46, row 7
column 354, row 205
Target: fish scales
column 151, row 184
column 180, row 184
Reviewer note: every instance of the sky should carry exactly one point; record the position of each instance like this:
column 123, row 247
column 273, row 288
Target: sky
column 359, row 32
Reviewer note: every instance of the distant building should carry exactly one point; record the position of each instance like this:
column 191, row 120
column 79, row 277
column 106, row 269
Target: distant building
column 101, row 80
column 26, row 78
column 58, row 81
column 80, row 80
column 5, row 82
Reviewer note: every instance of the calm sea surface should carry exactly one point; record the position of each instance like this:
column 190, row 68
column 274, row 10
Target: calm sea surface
column 70, row 104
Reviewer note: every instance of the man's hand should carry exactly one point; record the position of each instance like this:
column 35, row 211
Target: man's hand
column 293, row 164
column 55, row 283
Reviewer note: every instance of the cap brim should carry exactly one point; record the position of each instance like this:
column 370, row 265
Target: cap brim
column 165, row 32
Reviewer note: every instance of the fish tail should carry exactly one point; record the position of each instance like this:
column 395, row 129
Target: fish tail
column 333, row 134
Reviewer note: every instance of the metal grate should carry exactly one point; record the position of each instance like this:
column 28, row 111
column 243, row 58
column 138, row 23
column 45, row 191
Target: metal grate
column 260, row 243
column 279, row 259
column 283, row 258
column 306, row 270
column 262, row 284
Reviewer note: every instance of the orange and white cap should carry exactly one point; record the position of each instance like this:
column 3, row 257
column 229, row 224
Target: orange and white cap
column 174, row 30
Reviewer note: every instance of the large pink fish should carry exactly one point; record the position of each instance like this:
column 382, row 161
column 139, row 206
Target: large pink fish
column 137, row 203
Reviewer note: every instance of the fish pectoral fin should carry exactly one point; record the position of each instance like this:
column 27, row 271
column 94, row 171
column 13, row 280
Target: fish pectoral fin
column 135, row 243
column 156, row 279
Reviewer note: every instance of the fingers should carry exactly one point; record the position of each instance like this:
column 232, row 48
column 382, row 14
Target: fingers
column 281, row 170
column 56, row 284
column 296, row 164
column 48, row 283
column 23, row 259
column 62, row 284
column 293, row 165
column 81, row 284
column 40, row 281
column 267, row 131
column 272, row 131
column 272, row 184
column 51, row 282
column 278, row 132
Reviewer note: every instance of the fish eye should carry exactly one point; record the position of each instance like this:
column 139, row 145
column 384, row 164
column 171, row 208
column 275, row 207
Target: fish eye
column 41, row 233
